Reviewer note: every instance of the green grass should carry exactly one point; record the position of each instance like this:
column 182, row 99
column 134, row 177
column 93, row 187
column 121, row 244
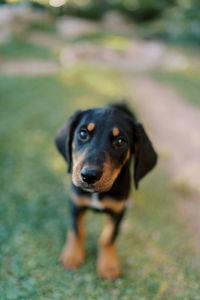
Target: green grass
column 18, row 47
column 187, row 83
column 48, row 27
column 154, row 246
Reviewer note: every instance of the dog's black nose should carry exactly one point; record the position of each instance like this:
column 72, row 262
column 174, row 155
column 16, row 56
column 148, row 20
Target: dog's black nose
column 90, row 175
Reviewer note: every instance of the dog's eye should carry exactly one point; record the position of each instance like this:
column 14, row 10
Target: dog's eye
column 83, row 134
column 120, row 141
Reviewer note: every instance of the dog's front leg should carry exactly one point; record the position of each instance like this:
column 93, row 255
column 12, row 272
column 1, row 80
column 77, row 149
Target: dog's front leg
column 73, row 252
column 108, row 266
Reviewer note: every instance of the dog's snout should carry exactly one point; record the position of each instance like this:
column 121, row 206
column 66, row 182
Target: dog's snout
column 90, row 175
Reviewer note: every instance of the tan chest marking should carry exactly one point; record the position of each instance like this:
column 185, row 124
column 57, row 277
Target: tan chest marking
column 94, row 202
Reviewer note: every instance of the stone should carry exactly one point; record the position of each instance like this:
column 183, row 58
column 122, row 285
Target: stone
column 72, row 27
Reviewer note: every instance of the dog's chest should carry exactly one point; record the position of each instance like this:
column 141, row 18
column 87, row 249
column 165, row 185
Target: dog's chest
column 95, row 202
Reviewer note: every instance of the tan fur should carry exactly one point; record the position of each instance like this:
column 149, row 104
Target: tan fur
column 115, row 131
column 108, row 264
column 114, row 205
column 80, row 201
column 106, row 234
column 91, row 126
column 128, row 155
column 110, row 173
column 78, row 160
column 106, row 203
column 73, row 252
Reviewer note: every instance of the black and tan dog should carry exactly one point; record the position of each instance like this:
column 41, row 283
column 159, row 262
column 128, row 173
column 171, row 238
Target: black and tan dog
column 98, row 145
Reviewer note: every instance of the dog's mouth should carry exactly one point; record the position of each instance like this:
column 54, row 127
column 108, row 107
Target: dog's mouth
column 92, row 188
column 89, row 187
column 97, row 186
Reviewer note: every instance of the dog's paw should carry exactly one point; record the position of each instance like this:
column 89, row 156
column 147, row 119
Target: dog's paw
column 72, row 257
column 108, row 266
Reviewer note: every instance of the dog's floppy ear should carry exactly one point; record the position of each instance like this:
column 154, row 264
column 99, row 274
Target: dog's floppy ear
column 145, row 155
column 64, row 136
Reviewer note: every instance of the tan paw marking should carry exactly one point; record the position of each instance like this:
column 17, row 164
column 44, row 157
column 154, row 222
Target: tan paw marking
column 108, row 266
column 73, row 252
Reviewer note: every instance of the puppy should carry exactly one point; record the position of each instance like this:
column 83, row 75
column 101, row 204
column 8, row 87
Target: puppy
column 98, row 145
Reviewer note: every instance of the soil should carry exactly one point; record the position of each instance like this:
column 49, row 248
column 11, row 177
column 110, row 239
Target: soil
column 174, row 126
column 29, row 67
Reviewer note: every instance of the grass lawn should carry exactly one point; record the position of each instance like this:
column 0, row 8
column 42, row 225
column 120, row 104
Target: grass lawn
column 17, row 47
column 154, row 246
column 186, row 82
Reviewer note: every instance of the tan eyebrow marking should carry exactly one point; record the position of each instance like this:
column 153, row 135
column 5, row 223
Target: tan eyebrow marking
column 115, row 131
column 90, row 126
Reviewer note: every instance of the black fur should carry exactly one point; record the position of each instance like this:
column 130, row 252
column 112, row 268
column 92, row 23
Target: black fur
column 64, row 136
column 145, row 155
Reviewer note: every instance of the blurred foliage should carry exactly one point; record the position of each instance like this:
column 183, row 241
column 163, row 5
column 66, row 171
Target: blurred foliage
column 172, row 20
column 139, row 10
column 183, row 21
column 179, row 23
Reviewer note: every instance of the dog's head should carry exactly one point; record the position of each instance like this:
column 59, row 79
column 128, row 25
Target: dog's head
column 98, row 142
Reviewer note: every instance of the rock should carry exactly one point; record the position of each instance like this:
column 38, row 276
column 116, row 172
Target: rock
column 71, row 27
column 88, row 52
column 46, row 40
column 145, row 55
column 77, row 52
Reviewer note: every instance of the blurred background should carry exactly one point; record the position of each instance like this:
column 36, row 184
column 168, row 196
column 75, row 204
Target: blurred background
column 58, row 56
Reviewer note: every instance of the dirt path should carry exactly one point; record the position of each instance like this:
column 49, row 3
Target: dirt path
column 29, row 67
column 175, row 128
